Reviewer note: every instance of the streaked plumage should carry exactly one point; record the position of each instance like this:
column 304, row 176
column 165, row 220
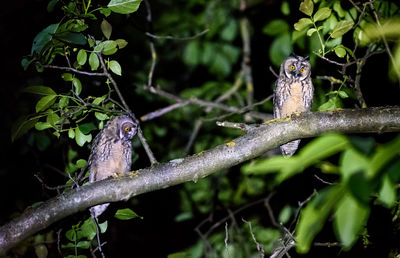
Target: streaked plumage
column 293, row 93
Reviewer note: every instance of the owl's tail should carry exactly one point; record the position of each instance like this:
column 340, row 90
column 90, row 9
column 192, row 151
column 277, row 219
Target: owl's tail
column 98, row 209
column 290, row 148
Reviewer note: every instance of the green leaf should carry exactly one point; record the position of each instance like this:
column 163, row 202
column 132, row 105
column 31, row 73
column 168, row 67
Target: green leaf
column 311, row 31
column 81, row 57
column 191, row 53
column 87, row 127
column 179, row 255
column 67, row 77
column 388, row 192
column 343, row 94
column 124, row 6
column 307, row 7
column 351, row 162
column 285, row 8
column 51, row 5
column 40, row 126
column 106, row 28
column 322, row 14
column 285, row 214
column 341, row 28
column 45, row 102
column 101, row 116
column 126, row 214
column 94, row 61
column 107, row 47
column 22, row 126
column 229, row 32
column 43, row 38
column 310, row 154
column 99, row 100
column 72, row 38
column 53, row 119
column 88, row 229
column 83, row 244
column 332, row 104
column 105, row 11
column 25, row 63
column 115, row 67
column 64, row 100
column 80, row 163
column 340, row 51
column 383, row 155
column 276, row 27
column 321, row 148
column 313, row 216
column 71, row 133
column 121, row 43
column 302, row 24
column 350, row 217
column 81, row 138
column 40, row 90
column 71, row 235
column 77, row 85
column 338, row 9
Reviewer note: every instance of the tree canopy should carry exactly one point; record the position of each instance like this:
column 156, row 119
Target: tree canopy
column 207, row 178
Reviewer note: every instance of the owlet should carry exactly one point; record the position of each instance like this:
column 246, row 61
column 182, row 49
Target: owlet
column 111, row 152
column 293, row 93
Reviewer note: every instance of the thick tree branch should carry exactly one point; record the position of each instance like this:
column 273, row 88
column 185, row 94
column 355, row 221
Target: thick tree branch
column 254, row 143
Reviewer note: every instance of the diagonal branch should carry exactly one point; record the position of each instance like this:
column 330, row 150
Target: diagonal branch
column 254, row 143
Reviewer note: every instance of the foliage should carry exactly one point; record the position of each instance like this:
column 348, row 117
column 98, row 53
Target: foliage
column 206, row 59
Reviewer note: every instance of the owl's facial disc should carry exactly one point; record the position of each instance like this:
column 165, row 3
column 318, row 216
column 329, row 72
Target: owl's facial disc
column 128, row 130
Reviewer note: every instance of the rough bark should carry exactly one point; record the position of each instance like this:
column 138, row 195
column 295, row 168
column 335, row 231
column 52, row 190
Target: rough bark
column 252, row 144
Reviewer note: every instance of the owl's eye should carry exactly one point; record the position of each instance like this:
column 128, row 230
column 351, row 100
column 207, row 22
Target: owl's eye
column 292, row 67
column 127, row 129
column 302, row 70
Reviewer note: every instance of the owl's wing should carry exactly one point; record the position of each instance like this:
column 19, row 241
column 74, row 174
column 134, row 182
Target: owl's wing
column 309, row 95
column 94, row 155
column 277, row 99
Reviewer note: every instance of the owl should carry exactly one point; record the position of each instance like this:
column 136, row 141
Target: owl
column 293, row 93
column 111, row 152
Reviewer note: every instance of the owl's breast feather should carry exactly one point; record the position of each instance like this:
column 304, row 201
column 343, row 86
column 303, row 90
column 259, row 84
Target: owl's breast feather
column 294, row 102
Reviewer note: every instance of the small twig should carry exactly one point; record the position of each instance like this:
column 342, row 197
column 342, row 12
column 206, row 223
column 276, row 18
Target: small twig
column 236, row 85
column 146, row 147
column 260, row 247
column 241, row 126
column 301, row 204
column 177, row 38
column 336, row 63
column 246, row 68
column 323, row 181
column 197, row 125
column 162, row 111
column 328, row 244
column 59, row 242
column 113, row 82
column 273, row 72
column 226, row 240
column 59, row 187
column 98, row 235
column 203, row 103
column 70, row 69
